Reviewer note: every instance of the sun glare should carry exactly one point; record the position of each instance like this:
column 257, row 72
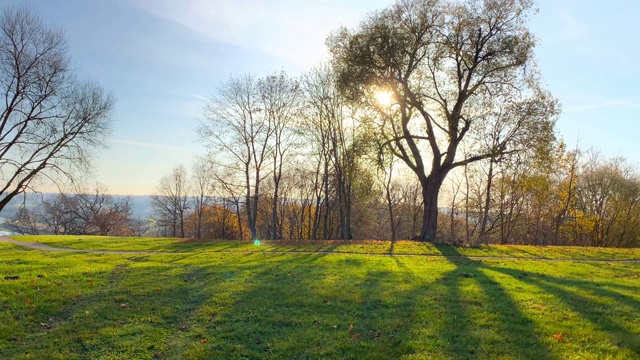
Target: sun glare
column 384, row 98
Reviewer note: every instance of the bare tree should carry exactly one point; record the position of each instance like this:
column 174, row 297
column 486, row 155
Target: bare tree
column 49, row 121
column 449, row 67
column 281, row 98
column 201, row 179
column 24, row 222
column 337, row 145
column 93, row 213
column 171, row 202
column 59, row 215
column 236, row 125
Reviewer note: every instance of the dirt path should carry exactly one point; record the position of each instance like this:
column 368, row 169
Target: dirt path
column 45, row 247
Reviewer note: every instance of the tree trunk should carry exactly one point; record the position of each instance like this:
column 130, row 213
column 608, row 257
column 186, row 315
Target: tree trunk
column 239, row 216
column 430, row 190
column 390, row 204
column 274, row 212
column 391, row 217
column 482, row 237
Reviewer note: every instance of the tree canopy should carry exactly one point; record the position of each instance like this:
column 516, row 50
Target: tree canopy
column 463, row 83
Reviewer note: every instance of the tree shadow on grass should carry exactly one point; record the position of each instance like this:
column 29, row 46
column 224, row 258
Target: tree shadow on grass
column 594, row 309
column 485, row 318
column 304, row 307
column 270, row 305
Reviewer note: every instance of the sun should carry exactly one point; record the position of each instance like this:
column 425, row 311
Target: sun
column 383, row 98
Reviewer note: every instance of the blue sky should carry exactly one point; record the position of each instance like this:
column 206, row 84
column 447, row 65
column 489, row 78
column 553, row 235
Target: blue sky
column 161, row 58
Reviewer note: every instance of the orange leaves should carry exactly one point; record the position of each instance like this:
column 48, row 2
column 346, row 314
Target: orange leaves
column 354, row 336
column 29, row 303
column 204, row 341
column 558, row 337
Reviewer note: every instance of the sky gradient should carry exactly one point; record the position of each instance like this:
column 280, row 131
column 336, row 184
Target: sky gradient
column 162, row 58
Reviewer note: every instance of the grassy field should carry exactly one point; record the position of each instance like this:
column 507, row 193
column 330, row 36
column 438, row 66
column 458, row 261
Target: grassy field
column 350, row 247
column 234, row 300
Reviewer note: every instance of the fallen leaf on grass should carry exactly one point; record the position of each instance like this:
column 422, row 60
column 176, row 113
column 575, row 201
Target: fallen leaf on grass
column 123, row 305
column 46, row 326
column 355, row 336
column 351, row 328
column 183, row 327
column 204, row 341
column 558, row 337
column 375, row 334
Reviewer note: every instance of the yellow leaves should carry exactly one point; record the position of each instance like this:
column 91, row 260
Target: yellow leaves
column 351, row 328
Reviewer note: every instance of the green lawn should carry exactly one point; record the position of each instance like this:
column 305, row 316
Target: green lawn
column 227, row 300
column 369, row 247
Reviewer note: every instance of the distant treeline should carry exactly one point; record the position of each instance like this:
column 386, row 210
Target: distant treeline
column 560, row 198
column 79, row 213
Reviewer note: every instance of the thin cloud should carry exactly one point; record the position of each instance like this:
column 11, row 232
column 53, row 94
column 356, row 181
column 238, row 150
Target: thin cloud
column 291, row 30
column 184, row 93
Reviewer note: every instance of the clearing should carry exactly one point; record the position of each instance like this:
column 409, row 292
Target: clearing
column 325, row 300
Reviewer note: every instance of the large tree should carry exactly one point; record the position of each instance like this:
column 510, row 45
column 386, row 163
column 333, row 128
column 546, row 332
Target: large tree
column 48, row 119
column 457, row 72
